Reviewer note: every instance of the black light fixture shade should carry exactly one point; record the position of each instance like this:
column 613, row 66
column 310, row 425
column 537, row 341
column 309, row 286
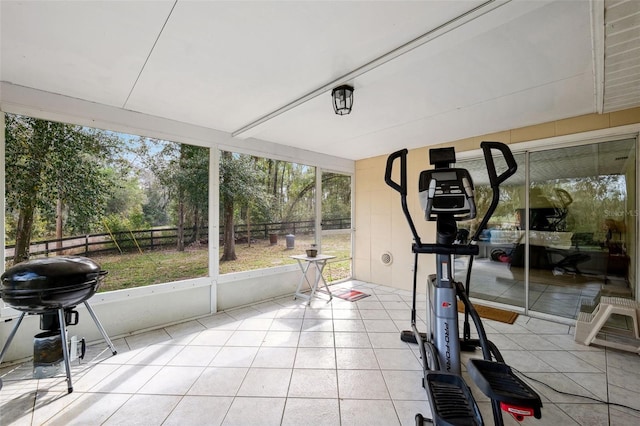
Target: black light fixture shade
column 342, row 99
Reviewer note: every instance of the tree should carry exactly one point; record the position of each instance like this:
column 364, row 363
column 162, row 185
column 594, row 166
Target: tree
column 183, row 171
column 126, row 200
column 194, row 179
column 56, row 169
column 155, row 207
column 336, row 196
column 241, row 183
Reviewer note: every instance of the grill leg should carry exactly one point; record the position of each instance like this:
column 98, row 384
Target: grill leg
column 11, row 336
column 102, row 331
column 65, row 348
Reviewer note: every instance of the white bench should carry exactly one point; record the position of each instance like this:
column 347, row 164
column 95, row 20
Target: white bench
column 589, row 325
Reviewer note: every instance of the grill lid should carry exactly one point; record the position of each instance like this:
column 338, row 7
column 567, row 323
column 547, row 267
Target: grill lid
column 51, row 272
column 49, row 283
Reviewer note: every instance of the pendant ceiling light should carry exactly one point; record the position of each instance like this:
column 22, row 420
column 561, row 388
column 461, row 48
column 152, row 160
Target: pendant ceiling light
column 342, row 99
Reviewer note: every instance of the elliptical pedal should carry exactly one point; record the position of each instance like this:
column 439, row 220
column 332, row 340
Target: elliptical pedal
column 498, row 381
column 408, row 336
column 451, row 400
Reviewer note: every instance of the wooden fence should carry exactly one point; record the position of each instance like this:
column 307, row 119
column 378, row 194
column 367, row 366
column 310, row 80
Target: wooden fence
column 150, row 239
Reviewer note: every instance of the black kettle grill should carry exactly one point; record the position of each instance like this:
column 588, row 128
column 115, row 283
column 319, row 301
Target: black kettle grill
column 51, row 286
column 41, row 285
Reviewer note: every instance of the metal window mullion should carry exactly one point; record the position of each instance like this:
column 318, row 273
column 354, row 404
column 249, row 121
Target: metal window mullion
column 527, row 182
column 318, row 209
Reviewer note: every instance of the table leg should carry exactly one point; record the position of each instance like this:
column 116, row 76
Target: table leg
column 314, row 287
column 320, row 277
column 304, row 267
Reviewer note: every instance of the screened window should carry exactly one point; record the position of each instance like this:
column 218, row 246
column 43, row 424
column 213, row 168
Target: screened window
column 137, row 206
column 268, row 212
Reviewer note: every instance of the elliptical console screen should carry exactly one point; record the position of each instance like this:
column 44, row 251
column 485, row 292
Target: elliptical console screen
column 445, row 176
column 450, row 191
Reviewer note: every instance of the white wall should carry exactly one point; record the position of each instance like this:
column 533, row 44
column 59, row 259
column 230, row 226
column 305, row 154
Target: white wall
column 120, row 314
column 249, row 287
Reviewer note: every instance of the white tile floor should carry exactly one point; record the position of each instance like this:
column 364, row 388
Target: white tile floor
column 560, row 295
column 281, row 363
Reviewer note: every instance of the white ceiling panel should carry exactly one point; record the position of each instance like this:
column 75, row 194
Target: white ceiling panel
column 542, row 104
column 225, row 64
column 88, row 50
column 507, row 75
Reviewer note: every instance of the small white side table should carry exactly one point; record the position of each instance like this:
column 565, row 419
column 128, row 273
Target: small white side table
column 305, row 262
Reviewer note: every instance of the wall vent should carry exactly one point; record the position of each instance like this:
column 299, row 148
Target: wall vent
column 386, row 258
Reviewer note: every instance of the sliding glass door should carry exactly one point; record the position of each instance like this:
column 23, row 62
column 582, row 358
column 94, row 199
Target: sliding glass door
column 565, row 230
column 582, row 224
column 493, row 278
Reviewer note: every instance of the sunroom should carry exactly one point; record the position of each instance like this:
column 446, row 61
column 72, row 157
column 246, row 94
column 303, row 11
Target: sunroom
column 557, row 81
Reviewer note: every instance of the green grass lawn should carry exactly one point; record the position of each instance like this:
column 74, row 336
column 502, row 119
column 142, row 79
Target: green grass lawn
column 131, row 270
column 135, row 269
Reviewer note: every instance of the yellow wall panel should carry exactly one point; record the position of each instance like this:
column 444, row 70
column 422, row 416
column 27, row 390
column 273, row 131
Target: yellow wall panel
column 583, row 123
column 531, row 133
column 622, row 118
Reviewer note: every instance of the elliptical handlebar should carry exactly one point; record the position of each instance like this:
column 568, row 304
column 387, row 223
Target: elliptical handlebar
column 512, row 166
column 402, row 187
column 494, row 179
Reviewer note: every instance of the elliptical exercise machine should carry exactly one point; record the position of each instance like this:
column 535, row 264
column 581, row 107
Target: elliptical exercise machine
column 447, row 196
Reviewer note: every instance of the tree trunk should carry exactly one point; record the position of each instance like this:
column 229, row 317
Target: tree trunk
column 180, row 234
column 275, row 179
column 196, row 226
column 229, row 252
column 248, row 221
column 23, row 233
column 59, row 224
